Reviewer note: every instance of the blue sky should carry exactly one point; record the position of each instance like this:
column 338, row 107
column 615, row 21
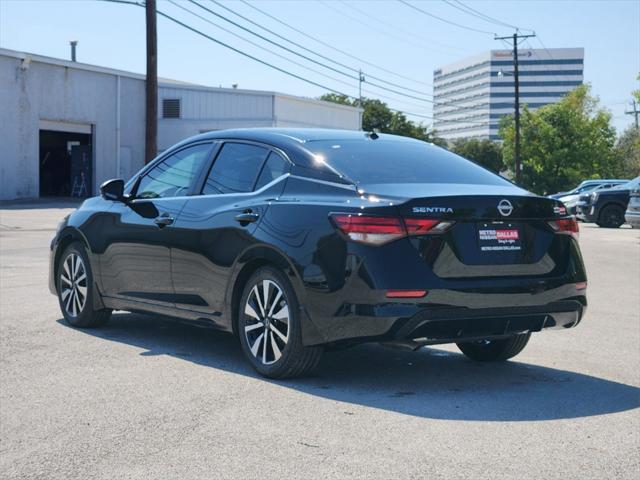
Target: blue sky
column 385, row 33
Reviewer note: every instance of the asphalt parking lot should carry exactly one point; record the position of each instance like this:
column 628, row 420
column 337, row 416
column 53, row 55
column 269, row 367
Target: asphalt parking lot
column 148, row 398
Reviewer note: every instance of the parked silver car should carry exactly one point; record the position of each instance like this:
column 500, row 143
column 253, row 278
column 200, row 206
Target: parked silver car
column 632, row 215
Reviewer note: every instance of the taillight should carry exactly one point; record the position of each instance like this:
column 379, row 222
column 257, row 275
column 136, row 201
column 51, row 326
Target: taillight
column 374, row 230
column 568, row 226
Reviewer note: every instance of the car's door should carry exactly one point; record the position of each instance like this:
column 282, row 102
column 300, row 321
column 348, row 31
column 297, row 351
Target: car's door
column 135, row 263
column 219, row 224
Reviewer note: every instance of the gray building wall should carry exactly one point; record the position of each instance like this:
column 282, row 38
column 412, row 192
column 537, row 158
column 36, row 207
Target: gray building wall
column 37, row 92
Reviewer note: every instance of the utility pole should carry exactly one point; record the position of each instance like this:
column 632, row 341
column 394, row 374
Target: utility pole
column 360, row 80
column 151, row 128
column 635, row 111
column 516, row 36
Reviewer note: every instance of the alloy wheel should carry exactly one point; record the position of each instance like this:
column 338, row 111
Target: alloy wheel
column 266, row 322
column 73, row 285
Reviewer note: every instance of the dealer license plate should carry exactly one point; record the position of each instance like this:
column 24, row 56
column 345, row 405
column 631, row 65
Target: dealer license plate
column 499, row 236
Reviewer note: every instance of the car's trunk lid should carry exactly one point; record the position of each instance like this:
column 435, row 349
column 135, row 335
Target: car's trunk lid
column 496, row 230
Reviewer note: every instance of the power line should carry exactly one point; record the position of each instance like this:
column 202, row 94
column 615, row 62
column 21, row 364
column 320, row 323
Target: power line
column 635, row 112
column 389, row 25
column 282, row 70
column 355, row 70
column 315, row 39
column 370, row 26
column 482, row 16
column 306, row 57
column 367, row 91
column 270, row 65
column 257, row 45
column 545, row 47
column 424, row 12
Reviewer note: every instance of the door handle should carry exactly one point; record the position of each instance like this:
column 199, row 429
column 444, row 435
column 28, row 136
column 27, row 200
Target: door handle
column 247, row 217
column 164, row 220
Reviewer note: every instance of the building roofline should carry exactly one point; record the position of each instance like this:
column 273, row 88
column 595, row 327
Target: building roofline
column 162, row 82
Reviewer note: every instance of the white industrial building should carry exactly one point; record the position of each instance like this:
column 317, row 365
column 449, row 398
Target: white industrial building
column 58, row 118
column 471, row 95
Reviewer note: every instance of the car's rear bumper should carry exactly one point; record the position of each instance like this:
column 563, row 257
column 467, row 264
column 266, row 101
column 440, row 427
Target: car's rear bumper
column 586, row 213
column 446, row 316
column 448, row 325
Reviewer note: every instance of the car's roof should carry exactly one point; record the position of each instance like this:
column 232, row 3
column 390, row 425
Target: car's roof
column 604, row 180
column 294, row 135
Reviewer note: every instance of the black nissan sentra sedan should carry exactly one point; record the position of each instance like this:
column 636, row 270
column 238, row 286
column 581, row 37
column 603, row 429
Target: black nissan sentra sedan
column 299, row 241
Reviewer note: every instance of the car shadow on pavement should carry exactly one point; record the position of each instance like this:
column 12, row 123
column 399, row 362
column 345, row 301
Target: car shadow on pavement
column 429, row 383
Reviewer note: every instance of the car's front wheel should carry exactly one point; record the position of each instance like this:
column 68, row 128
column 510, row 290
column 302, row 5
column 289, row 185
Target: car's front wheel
column 495, row 350
column 75, row 289
column 270, row 329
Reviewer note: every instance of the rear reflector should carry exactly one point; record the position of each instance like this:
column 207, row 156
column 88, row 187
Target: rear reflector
column 406, row 293
column 374, row 230
column 568, row 226
column 581, row 286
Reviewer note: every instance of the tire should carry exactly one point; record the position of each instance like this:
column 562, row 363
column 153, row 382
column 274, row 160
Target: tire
column 278, row 321
column 497, row 350
column 611, row 216
column 75, row 289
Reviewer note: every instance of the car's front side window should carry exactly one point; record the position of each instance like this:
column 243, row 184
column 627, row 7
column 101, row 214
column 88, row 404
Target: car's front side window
column 176, row 174
column 235, row 169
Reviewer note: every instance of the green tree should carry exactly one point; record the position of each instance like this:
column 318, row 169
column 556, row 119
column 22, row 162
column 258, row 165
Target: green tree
column 485, row 152
column 628, row 148
column 379, row 117
column 563, row 143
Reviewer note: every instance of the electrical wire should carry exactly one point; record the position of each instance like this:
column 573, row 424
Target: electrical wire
column 332, row 47
column 312, row 51
column 282, row 70
column 388, row 25
column 482, row 16
column 369, row 26
column 257, row 45
column 270, row 65
column 364, row 90
column 424, row 12
column 305, row 56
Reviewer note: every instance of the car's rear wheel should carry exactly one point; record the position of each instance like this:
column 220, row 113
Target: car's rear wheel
column 611, row 216
column 495, row 350
column 270, row 329
column 75, row 289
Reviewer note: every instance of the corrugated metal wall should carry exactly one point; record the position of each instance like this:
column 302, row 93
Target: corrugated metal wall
column 72, row 93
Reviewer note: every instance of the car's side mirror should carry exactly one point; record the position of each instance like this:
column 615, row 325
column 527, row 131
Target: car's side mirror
column 113, row 190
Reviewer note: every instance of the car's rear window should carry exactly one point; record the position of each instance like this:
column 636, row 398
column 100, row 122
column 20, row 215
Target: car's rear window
column 399, row 161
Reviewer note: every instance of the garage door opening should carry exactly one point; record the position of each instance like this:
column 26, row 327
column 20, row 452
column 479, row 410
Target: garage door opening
column 65, row 164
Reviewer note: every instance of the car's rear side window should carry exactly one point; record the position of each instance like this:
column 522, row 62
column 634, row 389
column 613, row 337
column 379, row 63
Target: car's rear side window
column 235, row 169
column 400, row 161
column 274, row 167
